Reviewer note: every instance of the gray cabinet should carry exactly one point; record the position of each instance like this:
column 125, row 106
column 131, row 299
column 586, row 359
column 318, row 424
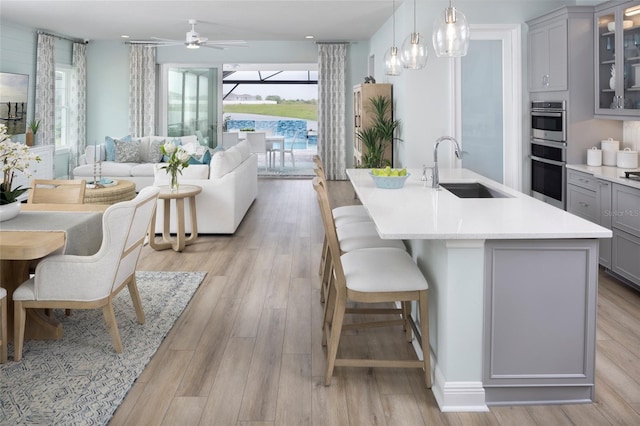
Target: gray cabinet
column 548, row 59
column 590, row 198
column 540, row 320
column 617, row 61
column 625, row 220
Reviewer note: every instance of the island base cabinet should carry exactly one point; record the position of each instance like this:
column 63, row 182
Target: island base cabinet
column 626, row 262
column 540, row 321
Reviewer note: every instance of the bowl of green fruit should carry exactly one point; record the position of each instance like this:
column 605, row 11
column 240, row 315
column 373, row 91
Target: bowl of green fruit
column 389, row 178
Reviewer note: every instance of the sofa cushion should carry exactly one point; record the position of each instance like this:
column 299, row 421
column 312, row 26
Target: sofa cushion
column 110, row 147
column 111, row 168
column 225, row 161
column 152, row 153
column 142, row 169
column 91, row 153
column 128, row 152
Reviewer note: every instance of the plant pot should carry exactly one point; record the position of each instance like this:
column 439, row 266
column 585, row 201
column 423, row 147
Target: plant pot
column 29, row 138
column 9, row 211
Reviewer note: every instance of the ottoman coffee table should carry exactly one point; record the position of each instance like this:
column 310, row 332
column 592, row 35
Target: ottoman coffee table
column 123, row 190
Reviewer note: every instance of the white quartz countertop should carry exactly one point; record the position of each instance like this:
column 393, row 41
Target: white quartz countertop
column 418, row 211
column 609, row 173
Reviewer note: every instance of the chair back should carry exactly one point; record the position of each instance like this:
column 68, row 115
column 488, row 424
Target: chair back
column 230, row 139
column 329, row 227
column 293, row 141
column 57, row 191
column 257, row 142
column 95, row 277
column 126, row 225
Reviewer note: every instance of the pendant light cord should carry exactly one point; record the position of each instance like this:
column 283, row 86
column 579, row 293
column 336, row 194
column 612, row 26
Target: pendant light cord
column 394, row 23
column 414, row 16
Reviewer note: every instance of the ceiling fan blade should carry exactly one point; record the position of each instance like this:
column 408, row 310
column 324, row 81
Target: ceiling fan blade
column 229, row 42
column 165, row 39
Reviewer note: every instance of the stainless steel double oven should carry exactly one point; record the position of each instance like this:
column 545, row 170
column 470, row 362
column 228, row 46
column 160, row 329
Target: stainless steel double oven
column 549, row 151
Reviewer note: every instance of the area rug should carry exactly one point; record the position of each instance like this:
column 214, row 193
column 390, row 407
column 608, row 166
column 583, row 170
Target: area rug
column 80, row 379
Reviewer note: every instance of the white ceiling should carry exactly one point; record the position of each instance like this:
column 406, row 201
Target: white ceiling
column 342, row 20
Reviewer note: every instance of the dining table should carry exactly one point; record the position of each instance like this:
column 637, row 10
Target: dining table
column 39, row 231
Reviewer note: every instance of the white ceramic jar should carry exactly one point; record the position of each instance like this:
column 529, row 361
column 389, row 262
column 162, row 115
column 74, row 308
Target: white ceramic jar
column 594, row 157
column 627, row 159
column 610, row 149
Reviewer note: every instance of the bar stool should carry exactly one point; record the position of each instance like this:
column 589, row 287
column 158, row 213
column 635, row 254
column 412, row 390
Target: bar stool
column 371, row 276
column 4, row 338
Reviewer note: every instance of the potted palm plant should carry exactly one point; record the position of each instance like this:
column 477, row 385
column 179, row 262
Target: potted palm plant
column 377, row 137
column 32, row 129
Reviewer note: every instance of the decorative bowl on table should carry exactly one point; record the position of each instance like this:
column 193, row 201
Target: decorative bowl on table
column 389, row 182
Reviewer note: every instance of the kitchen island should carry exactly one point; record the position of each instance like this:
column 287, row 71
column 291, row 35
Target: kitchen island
column 512, row 289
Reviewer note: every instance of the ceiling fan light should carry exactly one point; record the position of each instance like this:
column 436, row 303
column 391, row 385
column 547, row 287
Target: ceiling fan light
column 451, row 34
column 392, row 62
column 414, row 52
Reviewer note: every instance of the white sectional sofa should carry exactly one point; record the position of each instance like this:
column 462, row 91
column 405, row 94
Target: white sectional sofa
column 229, row 185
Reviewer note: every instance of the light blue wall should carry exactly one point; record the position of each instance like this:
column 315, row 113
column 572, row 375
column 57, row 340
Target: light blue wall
column 108, row 72
column 18, row 55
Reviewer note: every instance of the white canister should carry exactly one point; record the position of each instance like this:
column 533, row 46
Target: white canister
column 627, row 159
column 609, row 151
column 594, row 157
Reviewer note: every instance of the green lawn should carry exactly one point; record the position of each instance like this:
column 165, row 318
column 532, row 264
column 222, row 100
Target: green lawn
column 302, row 111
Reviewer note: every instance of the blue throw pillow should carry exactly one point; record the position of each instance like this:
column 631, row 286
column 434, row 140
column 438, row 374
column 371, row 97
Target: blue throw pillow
column 110, row 146
column 205, row 159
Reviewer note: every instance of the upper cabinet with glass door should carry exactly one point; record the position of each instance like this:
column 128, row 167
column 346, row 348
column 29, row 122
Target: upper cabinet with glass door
column 617, row 79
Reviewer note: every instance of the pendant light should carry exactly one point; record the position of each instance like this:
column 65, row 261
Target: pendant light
column 392, row 62
column 414, row 49
column 451, row 33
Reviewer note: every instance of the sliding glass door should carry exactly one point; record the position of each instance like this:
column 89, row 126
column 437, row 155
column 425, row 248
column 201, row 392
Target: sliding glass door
column 189, row 103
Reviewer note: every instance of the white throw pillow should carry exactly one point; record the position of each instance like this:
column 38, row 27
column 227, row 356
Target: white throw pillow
column 92, row 155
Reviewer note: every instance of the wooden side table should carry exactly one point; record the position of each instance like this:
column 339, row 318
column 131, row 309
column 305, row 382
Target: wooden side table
column 124, row 190
column 181, row 240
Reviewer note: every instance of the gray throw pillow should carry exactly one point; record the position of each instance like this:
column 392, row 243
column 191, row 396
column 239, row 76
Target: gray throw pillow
column 153, row 155
column 127, row 152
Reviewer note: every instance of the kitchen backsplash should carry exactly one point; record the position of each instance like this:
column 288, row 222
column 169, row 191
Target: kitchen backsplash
column 631, row 135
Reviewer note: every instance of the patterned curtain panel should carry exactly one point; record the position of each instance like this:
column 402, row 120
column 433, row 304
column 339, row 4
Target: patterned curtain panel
column 142, row 90
column 46, row 90
column 331, row 109
column 78, row 103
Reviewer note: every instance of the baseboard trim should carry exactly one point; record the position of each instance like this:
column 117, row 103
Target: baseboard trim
column 458, row 396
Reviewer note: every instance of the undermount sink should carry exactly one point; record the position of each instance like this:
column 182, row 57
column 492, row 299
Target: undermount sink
column 472, row 190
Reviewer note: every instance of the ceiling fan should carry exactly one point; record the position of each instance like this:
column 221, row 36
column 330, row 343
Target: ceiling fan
column 194, row 40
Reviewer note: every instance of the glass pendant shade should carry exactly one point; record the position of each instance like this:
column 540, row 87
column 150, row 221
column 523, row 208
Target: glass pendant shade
column 392, row 62
column 451, row 34
column 414, row 52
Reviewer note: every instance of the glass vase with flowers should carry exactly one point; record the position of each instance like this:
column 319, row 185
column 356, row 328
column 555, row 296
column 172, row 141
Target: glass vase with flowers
column 177, row 159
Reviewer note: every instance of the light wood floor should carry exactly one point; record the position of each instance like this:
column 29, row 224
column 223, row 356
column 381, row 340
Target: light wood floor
column 247, row 348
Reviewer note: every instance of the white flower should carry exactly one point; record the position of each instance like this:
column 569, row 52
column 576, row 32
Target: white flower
column 169, row 147
column 14, row 157
column 182, row 155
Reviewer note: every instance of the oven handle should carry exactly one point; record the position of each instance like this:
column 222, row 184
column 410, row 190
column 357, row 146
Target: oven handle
column 551, row 144
column 544, row 160
column 535, row 113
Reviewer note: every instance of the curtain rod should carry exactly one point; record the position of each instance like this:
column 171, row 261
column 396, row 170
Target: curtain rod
column 333, row 42
column 75, row 40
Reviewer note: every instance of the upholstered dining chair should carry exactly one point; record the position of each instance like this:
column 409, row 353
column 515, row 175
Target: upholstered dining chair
column 371, row 276
column 57, row 191
column 4, row 335
column 89, row 282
